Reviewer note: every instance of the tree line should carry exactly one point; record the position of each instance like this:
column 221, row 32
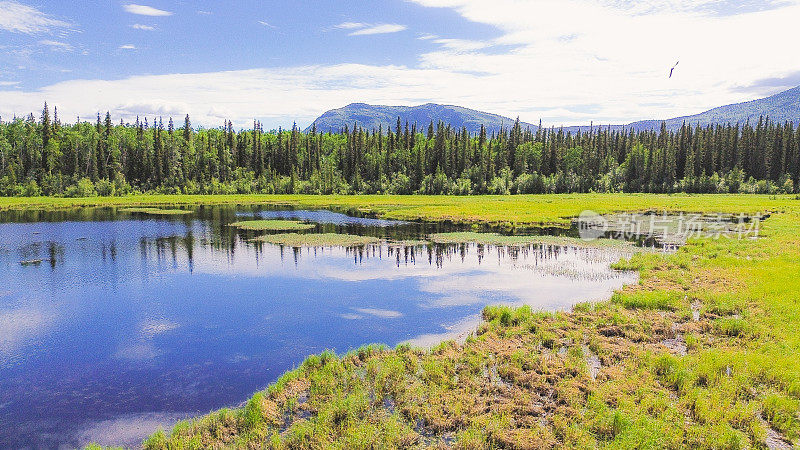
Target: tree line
column 46, row 157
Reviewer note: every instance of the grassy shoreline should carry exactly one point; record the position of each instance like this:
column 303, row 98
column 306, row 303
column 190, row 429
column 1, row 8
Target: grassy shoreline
column 513, row 210
column 702, row 352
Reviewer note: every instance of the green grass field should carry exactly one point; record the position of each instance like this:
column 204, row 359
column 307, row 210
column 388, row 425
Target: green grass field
column 703, row 352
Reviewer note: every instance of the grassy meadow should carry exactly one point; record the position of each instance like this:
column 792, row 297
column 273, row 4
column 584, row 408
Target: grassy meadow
column 498, row 209
column 703, row 352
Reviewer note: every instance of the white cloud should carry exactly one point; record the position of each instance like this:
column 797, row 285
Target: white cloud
column 379, row 29
column 57, row 45
column 363, row 29
column 350, row 25
column 266, row 24
column 461, row 45
column 144, row 10
column 20, row 18
column 9, row 83
column 127, row 47
column 139, row 26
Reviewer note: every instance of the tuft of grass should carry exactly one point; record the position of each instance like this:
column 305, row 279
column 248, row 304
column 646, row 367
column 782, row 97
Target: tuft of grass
column 782, row 413
column 157, row 440
column 318, row 240
column 732, row 327
column 272, row 225
column 667, row 301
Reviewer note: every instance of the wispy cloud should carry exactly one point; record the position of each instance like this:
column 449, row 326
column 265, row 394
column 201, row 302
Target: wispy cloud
column 144, row 10
column 139, row 26
column 57, row 45
column 266, row 24
column 363, row 29
column 127, row 47
column 379, row 29
column 350, row 25
column 767, row 85
column 204, row 13
column 461, row 45
column 19, row 18
column 9, row 83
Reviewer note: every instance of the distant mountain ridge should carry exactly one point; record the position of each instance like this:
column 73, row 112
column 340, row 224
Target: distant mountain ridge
column 781, row 107
column 373, row 116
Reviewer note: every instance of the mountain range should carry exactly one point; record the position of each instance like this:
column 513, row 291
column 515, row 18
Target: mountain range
column 781, row 107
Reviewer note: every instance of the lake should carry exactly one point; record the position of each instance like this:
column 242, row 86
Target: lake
column 114, row 323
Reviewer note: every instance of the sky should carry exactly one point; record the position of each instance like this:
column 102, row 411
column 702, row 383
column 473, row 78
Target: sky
column 564, row 62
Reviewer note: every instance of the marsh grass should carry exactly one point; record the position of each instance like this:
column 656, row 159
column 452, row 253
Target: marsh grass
column 317, row 240
column 272, row 225
column 156, row 211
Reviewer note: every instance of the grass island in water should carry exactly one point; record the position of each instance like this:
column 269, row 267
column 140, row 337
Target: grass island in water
column 317, row 240
column 156, row 211
column 272, row 225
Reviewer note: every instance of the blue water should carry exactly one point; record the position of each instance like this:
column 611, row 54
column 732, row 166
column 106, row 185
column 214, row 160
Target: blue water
column 130, row 321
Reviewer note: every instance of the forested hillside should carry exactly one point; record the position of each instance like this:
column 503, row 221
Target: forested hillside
column 42, row 156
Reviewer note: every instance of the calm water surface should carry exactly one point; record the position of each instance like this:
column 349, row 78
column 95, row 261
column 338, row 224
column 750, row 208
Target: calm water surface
column 130, row 321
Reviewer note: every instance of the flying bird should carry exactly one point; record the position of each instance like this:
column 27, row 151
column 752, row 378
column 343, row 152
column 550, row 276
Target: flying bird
column 673, row 69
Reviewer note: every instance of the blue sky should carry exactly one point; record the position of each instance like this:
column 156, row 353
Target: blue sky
column 562, row 61
column 211, row 35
